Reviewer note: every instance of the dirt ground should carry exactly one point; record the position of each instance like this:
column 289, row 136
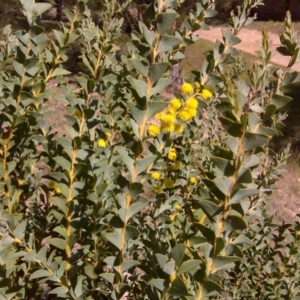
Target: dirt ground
column 250, row 43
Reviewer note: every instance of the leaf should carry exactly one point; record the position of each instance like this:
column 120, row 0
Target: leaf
column 254, row 140
column 206, row 232
column 64, row 163
column 161, row 259
column 231, row 127
column 223, row 184
column 137, row 113
column 19, row 68
column 155, row 107
column 140, row 65
column 169, row 267
column 160, row 85
column 148, row 34
column 60, row 203
column 158, row 284
column 60, row 37
column 144, row 163
column 225, row 166
column 244, row 175
column 209, row 207
column 135, row 208
column 233, row 222
column 233, row 250
column 157, row 70
column 223, row 262
column 211, row 286
column 229, row 38
column 131, row 232
column 11, row 166
column 78, row 289
column 128, row 161
column 39, row 274
column 139, row 86
column 115, row 239
column 19, row 232
column 59, row 72
column 240, row 194
column 280, row 101
column 177, row 253
column 110, row 277
column 128, row 264
column 58, row 243
column 178, row 288
column 167, row 43
column 233, row 144
column 40, row 8
column 135, row 188
column 165, row 21
column 242, row 239
column 188, row 265
column 59, row 290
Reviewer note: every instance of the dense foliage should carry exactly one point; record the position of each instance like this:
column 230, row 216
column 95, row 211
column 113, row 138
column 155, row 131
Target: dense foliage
column 144, row 197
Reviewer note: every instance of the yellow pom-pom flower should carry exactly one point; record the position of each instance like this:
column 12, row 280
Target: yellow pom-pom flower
column 172, row 217
column 160, row 116
column 158, row 189
column 171, row 111
column 57, row 191
column 176, row 165
column 168, row 182
column 178, row 207
column 187, row 88
column 155, row 175
column 192, row 112
column 175, row 104
column 169, row 119
column 179, row 128
column 101, row 143
column 206, row 94
column 192, row 180
column 184, row 115
column 172, row 154
column 172, row 277
column 191, row 103
column 154, row 130
column 168, row 127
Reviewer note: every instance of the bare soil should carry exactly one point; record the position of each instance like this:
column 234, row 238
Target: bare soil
column 250, row 43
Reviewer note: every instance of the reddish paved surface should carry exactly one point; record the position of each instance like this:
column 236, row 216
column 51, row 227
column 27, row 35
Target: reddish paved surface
column 250, row 43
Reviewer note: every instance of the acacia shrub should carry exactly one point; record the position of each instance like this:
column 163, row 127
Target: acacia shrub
column 143, row 198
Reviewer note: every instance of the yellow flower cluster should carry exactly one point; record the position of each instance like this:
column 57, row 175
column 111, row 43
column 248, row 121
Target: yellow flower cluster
column 155, row 175
column 168, row 182
column 192, row 180
column 172, row 154
column 58, row 191
column 187, row 88
column 206, row 94
column 175, row 165
column 169, row 119
column 158, row 189
column 101, row 143
column 189, row 111
column 154, row 130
